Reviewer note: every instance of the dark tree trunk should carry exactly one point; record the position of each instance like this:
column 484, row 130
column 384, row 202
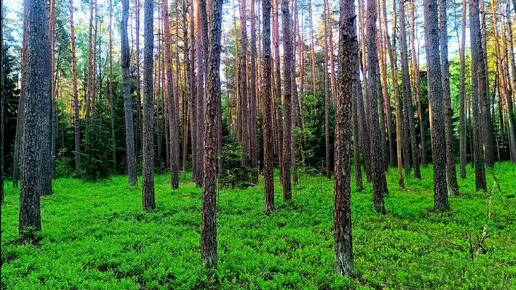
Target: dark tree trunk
column 453, row 187
column 377, row 159
column 202, row 54
column 407, row 91
column 193, row 95
column 242, row 86
column 139, row 118
column 463, row 125
column 508, row 99
column 128, row 107
column 75, row 92
column 209, row 224
column 435, row 98
column 348, row 57
column 172, row 110
column 268, row 151
column 36, row 136
column 476, row 83
column 148, row 201
column 2, row 106
column 354, row 119
column 287, row 99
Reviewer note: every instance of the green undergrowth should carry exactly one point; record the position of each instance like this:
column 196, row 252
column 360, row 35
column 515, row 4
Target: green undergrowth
column 95, row 235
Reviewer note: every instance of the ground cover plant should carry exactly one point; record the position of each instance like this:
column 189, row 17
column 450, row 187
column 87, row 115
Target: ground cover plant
column 95, row 235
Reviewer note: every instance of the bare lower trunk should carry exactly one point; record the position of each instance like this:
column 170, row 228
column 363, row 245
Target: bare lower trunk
column 287, row 99
column 463, row 109
column 435, row 98
column 148, row 201
column 348, row 57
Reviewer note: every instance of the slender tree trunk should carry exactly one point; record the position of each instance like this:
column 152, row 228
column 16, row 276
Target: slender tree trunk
column 508, row 99
column 312, row 46
column 110, row 88
column 209, row 225
column 242, row 85
column 462, row 85
column 268, row 154
column 148, row 201
column 139, row 118
column 287, row 99
column 172, row 110
column 75, row 92
column 453, row 187
column 53, row 112
column 417, row 82
column 253, row 150
column 348, row 57
column 193, row 94
column 354, row 119
column 128, row 107
column 37, row 122
column 377, row 167
column 476, row 83
column 294, row 104
column 2, row 106
column 435, row 98
column 326, row 99
column 407, row 90
column 20, row 119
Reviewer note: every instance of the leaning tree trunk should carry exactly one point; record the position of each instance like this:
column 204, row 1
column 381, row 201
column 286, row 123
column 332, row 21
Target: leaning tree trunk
column 268, row 151
column 435, row 98
column 128, row 107
column 172, row 110
column 453, row 187
column 148, row 201
column 476, row 83
column 348, row 57
column 287, row 99
column 377, row 159
column 209, row 225
column 36, row 136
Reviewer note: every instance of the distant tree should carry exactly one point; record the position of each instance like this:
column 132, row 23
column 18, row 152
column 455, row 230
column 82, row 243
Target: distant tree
column 268, row 151
column 209, row 204
column 435, row 97
column 128, row 106
column 462, row 86
column 37, row 120
column 148, row 200
column 348, row 57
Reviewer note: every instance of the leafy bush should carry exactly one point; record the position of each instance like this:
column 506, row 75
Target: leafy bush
column 234, row 173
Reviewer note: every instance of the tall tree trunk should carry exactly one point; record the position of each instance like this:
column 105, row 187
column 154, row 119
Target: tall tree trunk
column 139, row 118
column 202, row 26
column 348, row 57
column 277, row 86
column 128, row 107
column 75, row 92
column 377, row 166
column 110, row 87
column 209, row 225
column 287, row 99
column 253, row 149
column 2, row 106
column 268, row 152
column 172, row 110
column 407, row 90
column 242, row 85
column 312, row 46
column 53, row 83
column 435, row 98
column 354, row 119
column 508, row 99
column 37, row 122
column 453, row 187
column 148, row 200
column 417, row 82
column 294, row 103
column 326, row 99
column 20, row 119
column 193, row 94
column 462, row 85
column 476, row 83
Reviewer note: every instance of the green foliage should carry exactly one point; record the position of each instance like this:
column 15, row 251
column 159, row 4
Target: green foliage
column 95, row 235
column 234, row 173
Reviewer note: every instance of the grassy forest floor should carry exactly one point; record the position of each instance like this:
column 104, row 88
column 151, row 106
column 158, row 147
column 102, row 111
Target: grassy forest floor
column 95, row 235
